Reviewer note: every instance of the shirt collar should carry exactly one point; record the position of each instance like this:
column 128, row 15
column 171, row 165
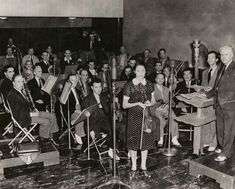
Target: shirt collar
column 136, row 82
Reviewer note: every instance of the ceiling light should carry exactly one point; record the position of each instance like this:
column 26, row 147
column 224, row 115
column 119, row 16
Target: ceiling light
column 3, row 17
column 72, row 18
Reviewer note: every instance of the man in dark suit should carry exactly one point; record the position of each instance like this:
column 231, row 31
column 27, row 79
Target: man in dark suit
column 105, row 77
column 40, row 98
column 21, row 112
column 100, row 119
column 184, row 87
column 44, row 63
column 68, row 60
column 225, row 109
column 157, row 70
column 6, row 84
column 209, row 137
column 149, row 62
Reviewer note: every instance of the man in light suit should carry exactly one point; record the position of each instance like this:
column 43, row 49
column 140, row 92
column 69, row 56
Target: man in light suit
column 225, row 109
column 209, row 75
column 161, row 94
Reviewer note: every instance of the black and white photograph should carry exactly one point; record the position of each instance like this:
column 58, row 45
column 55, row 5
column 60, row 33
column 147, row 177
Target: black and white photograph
column 117, row 94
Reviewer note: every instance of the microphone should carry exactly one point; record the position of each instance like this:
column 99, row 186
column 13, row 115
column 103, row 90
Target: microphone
column 114, row 69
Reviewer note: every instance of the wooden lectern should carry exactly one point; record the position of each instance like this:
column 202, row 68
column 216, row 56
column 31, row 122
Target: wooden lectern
column 204, row 115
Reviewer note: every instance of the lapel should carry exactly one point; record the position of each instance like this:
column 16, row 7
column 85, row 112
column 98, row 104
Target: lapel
column 227, row 73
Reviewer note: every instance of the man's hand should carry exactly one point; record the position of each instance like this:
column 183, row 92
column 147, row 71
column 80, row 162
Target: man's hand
column 34, row 114
column 92, row 134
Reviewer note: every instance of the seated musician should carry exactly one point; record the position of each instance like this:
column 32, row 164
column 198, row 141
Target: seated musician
column 127, row 74
column 74, row 107
column 41, row 99
column 28, row 70
column 185, row 87
column 83, row 83
column 7, row 85
column 158, row 69
column 92, row 69
column 161, row 95
column 105, row 77
column 20, row 107
column 100, row 120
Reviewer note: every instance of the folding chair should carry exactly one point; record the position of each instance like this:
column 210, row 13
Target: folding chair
column 9, row 127
column 97, row 143
column 23, row 133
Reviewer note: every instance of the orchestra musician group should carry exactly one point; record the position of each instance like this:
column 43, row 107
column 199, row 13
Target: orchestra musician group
column 144, row 98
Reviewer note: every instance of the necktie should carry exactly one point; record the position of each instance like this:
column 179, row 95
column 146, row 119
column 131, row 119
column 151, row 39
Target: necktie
column 209, row 76
column 31, row 59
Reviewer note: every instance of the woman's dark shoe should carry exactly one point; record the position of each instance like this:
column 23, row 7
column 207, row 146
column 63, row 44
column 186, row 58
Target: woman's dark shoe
column 145, row 173
column 133, row 174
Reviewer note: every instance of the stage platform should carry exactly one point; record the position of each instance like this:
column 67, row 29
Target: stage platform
column 48, row 156
column 222, row 172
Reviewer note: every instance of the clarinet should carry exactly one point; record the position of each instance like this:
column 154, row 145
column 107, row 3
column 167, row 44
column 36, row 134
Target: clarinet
column 29, row 98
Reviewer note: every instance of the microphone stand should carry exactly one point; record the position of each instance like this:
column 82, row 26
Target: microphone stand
column 115, row 179
column 169, row 152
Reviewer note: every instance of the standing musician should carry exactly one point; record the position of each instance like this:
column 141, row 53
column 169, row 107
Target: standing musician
column 138, row 95
column 40, row 98
column 21, row 112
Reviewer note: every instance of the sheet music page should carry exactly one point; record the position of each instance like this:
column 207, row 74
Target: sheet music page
column 49, row 84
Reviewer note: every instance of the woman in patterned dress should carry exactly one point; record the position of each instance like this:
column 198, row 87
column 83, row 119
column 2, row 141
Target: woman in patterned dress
column 138, row 94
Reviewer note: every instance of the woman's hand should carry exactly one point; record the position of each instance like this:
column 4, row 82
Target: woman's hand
column 142, row 105
column 148, row 103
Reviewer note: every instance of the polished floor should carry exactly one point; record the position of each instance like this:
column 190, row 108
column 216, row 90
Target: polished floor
column 74, row 172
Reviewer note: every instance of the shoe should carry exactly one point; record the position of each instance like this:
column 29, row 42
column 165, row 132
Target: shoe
column 175, row 142
column 145, row 173
column 110, row 153
column 218, row 151
column 221, row 158
column 78, row 139
column 206, row 145
column 133, row 174
column 211, row 149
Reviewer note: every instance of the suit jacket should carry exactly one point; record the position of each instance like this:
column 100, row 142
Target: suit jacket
column 65, row 63
column 38, row 94
column 19, row 107
column 158, row 94
column 205, row 77
column 95, row 117
column 6, row 86
column 183, row 89
column 150, row 65
column 44, row 66
column 226, row 88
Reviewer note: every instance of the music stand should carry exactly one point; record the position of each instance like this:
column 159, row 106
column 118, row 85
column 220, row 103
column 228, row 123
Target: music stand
column 85, row 115
column 115, row 179
column 169, row 152
column 48, row 87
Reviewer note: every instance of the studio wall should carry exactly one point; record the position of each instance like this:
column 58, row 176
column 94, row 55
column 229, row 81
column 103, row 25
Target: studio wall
column 174, row 24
